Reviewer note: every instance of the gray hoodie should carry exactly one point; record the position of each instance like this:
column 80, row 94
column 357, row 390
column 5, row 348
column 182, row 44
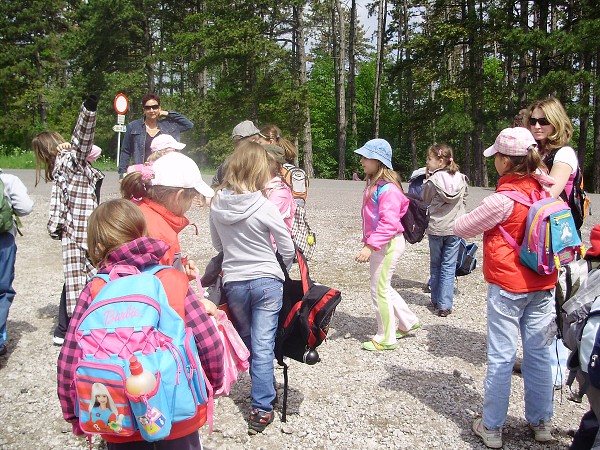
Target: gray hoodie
column 446, row 196
column 16, row 193
column 241, row 225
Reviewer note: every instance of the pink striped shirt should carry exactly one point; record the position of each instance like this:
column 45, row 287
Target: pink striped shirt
column 494, row 210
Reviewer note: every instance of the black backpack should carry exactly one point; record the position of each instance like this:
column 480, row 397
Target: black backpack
column 304, row 320
column 416, row 219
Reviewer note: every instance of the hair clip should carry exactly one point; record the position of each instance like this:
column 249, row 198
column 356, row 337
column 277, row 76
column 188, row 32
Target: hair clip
column 277, row 137
column 439, row 152
column 451, row 159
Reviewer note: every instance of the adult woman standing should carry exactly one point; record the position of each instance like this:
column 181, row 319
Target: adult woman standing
column 552, row 129
column 141, row 132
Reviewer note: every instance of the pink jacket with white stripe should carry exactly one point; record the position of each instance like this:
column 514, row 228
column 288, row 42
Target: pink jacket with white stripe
column 381, row 212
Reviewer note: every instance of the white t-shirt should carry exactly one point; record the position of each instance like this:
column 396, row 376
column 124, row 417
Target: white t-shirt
column 568, row 156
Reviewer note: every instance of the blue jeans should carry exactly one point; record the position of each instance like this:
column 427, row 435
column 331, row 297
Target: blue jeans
column 443, row 251
column 8, row 256
column 533, row 314
column 254, row 308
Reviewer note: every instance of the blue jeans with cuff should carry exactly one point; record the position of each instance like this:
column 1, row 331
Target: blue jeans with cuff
column 254, row 307
column 531, row 313
column 8, row 257
column 443, row 251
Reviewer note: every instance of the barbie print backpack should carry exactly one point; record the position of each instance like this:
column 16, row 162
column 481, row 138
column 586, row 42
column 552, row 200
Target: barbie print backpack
column 130, row 316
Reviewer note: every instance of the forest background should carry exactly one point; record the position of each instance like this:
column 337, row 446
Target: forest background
column 433, row 71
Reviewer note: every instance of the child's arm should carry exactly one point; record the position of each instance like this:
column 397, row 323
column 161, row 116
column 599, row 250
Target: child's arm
column 493, row 211
column 17, row 195
column 392, row 206
column 69, row 356
column 58, row 212
column 82, row 138
column 210, row 347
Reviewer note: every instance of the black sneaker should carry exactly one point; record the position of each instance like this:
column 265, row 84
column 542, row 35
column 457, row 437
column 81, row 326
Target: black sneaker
column 259, row 421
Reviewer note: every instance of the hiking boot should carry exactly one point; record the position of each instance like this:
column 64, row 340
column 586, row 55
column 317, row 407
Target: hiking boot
column 491, row 438
column 259, row 421
column 400, row 334
column 542, row 432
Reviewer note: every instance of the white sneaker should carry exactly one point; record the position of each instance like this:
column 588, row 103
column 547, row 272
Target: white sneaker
column 491, row 438
column 58, row 340
column 542, row 432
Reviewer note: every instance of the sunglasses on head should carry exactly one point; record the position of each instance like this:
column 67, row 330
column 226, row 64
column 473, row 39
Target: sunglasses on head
column 149, row 107
column 541, row 120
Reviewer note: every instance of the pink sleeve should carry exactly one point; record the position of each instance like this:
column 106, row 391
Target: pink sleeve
column 283, row 199
column 494, row 210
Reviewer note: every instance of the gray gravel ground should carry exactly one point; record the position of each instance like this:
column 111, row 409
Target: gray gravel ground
column 425, row 394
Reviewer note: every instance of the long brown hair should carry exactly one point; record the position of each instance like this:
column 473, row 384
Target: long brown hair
column 112, row 224
column 45, row 150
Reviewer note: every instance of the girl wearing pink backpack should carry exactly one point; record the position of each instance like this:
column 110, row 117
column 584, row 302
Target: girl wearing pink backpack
column 519, row 299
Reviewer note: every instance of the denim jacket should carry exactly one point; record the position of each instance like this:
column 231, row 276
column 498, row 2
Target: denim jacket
column 135, row 137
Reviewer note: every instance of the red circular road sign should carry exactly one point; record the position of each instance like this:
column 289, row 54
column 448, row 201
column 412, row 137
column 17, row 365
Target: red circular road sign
column 121, row 104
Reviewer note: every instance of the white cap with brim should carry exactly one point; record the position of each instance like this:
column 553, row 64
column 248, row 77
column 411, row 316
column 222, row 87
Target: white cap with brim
column 378, row 149
column 165, row 141
column 245, row 129
column 179, row 171
column 512, row 142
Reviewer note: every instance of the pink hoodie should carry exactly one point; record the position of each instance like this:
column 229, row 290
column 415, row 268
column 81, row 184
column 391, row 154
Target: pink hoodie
column 381, row 213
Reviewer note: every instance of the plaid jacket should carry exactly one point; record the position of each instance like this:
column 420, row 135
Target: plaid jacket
column 73, row 200
column 140, row 253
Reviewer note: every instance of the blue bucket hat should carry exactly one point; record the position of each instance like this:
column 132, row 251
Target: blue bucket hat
column 378, row 149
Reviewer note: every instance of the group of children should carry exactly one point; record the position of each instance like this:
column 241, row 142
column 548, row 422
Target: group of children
column 251, row 232
column 531, row 157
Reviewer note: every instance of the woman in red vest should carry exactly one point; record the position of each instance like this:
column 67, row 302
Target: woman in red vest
column 519, row 299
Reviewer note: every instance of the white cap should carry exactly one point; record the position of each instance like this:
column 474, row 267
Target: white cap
column 179, row 171
column 165, row 141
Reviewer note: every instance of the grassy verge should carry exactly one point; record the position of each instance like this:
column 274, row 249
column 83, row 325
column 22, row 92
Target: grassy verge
column 25, row 160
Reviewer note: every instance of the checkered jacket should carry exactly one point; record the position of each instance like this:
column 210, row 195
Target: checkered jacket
column 73, row 200
column 140, row 253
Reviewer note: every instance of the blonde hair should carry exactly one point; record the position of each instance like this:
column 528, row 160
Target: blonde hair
column 158, row 153
column 273, row 133
column 445, row 153
column 248, row 169
column 557, row 116
column 134, row 187
column 112, row 224
column 383, row 173
column 100, row 389
column 45, row 150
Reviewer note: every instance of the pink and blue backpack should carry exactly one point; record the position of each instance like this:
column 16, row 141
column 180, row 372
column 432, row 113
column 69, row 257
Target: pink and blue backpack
column 131, row 316
column 551, row 238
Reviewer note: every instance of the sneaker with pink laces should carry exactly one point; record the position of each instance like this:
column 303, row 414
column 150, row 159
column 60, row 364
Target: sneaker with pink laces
column 491, row 438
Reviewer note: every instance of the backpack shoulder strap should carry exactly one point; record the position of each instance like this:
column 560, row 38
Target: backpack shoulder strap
column 520, row 198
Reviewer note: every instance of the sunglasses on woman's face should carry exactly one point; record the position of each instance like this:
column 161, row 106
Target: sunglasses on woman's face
column 541, row 120
column 149, row 107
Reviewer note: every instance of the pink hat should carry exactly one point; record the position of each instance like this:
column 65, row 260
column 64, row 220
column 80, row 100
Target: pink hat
column 512, row 142
column 164, row 142
column 94, row 153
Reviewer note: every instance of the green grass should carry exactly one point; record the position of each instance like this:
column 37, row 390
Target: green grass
column 22, row 159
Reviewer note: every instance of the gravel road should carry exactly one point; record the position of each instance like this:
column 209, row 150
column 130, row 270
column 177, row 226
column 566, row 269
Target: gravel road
column 422, row 395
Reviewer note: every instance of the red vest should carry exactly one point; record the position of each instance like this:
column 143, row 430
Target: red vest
column 501, row 264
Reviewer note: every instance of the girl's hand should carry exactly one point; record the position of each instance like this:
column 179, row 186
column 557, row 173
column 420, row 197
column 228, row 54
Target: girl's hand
column 64, row 146
column 190, row 269
column 364, row 255
column 210, row 307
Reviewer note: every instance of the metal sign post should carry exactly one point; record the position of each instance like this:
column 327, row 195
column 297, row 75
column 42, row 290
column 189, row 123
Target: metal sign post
column 121, row 105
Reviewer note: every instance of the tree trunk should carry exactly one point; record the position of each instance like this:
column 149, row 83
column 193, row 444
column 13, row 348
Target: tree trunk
column 307, row 152
column 596, row 173
column 339, row 59
column 351, row 109
column 379, row 66
column 410, row 95
column 584, row 111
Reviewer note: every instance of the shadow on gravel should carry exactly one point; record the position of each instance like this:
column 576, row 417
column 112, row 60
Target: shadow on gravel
column 361, row 328
column 16, row 330
column 449, row 341
column 455, row 397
